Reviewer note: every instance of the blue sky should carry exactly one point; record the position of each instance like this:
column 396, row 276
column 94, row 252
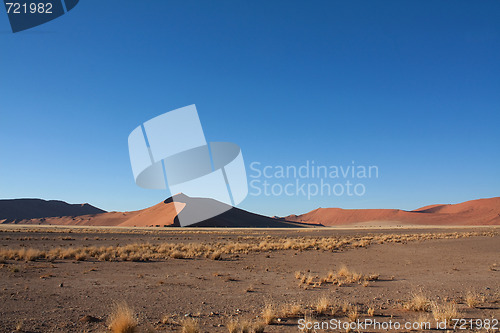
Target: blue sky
column 410, row 86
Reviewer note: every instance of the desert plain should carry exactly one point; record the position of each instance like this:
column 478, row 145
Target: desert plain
column 102, row 279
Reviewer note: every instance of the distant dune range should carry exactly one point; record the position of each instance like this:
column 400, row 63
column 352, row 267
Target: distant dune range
column 474, row 212
column 37, row 211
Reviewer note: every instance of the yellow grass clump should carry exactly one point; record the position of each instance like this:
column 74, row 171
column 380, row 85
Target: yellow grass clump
column 291, row 310
column 322, row 305
column 353, row 314
column 445, row 311
column 346, row 307
column 268, row 314
column 418, row 302
column 233, row 325
column 472, row 299
column 190, row 325
column 244, row 326
column 122, row 319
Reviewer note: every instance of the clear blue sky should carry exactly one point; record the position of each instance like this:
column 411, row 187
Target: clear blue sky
column 410, row 86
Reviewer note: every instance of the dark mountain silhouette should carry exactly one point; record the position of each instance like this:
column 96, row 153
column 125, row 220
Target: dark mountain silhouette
column 13, row 210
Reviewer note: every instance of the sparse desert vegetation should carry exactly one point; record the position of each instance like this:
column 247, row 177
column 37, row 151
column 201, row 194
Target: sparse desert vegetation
column 240, row 280
column 342, row 277
column 162, row 251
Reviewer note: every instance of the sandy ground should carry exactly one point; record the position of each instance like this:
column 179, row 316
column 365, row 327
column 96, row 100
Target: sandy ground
column 42, row 296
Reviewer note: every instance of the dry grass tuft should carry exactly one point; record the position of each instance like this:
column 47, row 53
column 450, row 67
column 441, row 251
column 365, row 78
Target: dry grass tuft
column 346, row 307
column 445, row 311
column 167, row 319
column 190, row 325
column 19, row 326
column 370, row 312
column 344, row 272
column 423, row 320
column 291, row 311
column 244, row 326
column 122, row 319
column 217, row 255
column 418, row 302
column 268, row 314
column 177, row 255
column 322, row 305
column 472, row 299
column 233, row 325
column 353, row 314
column 258, row 328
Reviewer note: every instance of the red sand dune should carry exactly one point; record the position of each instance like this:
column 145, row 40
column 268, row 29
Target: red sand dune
column 164, row 214
column 474, row 212
column 158, row 215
